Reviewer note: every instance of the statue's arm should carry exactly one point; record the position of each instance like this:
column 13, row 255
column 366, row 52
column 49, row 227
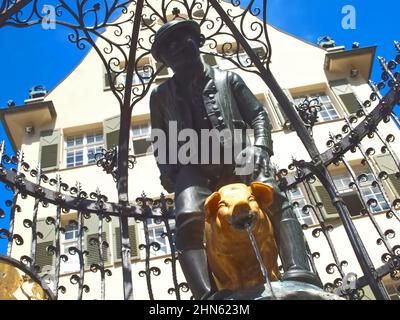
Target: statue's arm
column 160, row 145
column 253, row 113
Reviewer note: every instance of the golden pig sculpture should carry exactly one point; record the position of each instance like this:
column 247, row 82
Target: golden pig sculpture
column 231, row 257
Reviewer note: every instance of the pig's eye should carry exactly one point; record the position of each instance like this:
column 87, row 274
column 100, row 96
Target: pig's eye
column 222, row 204
column 251, row 199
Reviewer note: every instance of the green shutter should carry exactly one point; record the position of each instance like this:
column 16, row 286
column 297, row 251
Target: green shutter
column 107, row 80
column 353, row 203
column 133, row 241
column 350, row 102
column 209, row 59
column 49, row 149
column 92, row 225
column 146, row 22
column 42, row 256
column 387, row 164
column 328, row 209
column 111, row 131
column 141, row 146
column 338, row 84
column 164, row 70
column 93, row 249
column 260, row 52
column 343, row 90
column 283, row 119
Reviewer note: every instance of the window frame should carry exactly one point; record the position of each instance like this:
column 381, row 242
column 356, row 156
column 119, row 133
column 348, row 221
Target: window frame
column 84, row 147
column 298, row 210
column 153, row 226
column 141, row 136
column 364, row 185
column 299, row 98
column 73, row 264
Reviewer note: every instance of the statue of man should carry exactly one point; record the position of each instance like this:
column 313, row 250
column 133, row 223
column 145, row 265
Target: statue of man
column 200, row 97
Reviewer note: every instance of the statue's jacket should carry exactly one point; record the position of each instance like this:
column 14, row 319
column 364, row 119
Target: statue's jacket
column 229, row 104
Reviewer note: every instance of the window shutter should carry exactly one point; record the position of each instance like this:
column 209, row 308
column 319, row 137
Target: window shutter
column 93, row 249
column 141, row 146
column 133, row 241
column 43, row 258
column 353, row 203
column 107, row 81
column 387, row 164
column 146, row 22
column 198, row 13
column 283, row 119
column 343, row 90
column 49, row 149
column 350, row 102
column 328, row 210
column 93, row 225
column 209, row 59
column 164, row 70
column 111, row 131
column 260, row 52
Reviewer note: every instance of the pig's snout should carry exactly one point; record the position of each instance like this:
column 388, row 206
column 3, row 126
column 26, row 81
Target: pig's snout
column 243, row 217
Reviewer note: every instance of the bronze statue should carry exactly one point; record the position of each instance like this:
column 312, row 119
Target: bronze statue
column 200, row 97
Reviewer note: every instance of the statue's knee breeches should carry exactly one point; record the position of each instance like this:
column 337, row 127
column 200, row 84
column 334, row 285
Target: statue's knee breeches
column 189, row 231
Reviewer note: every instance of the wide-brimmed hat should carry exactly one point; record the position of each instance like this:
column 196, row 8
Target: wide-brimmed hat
column 167, row 29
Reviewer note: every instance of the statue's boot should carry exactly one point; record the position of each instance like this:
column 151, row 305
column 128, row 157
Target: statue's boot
column 189, row 241
column 195, row 268
column 289, row 236
column 292, row 249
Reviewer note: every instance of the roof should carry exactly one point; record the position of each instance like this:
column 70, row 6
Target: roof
column 16, row 119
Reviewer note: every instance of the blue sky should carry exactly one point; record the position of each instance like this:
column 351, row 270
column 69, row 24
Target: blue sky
column 36, row 56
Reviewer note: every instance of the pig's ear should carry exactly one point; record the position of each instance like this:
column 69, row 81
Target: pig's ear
column 211, row 205
column 263, row 193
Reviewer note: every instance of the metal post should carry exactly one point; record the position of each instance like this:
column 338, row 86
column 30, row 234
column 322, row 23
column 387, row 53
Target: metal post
column 123, row 150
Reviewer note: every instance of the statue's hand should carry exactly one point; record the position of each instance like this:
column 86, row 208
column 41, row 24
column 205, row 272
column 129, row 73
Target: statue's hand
column 253, row 164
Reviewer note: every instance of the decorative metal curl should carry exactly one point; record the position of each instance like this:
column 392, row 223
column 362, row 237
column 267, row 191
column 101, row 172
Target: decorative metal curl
column 108, row 159
column 308, row 112
column 335, row 143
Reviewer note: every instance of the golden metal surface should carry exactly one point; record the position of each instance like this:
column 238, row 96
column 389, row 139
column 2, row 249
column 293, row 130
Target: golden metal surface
column 16, row 285
column 230, row 254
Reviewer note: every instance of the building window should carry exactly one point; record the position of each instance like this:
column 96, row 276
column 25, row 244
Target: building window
column 240, row 58
column 81, row 149
column 393, row 288
column 157, row 233
column 140, row 139
column 70, row 239
column 143, row 75
column 351, row 198
column 372, row 192
column 298, row 200
column 327, row 112
column 71, row 232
